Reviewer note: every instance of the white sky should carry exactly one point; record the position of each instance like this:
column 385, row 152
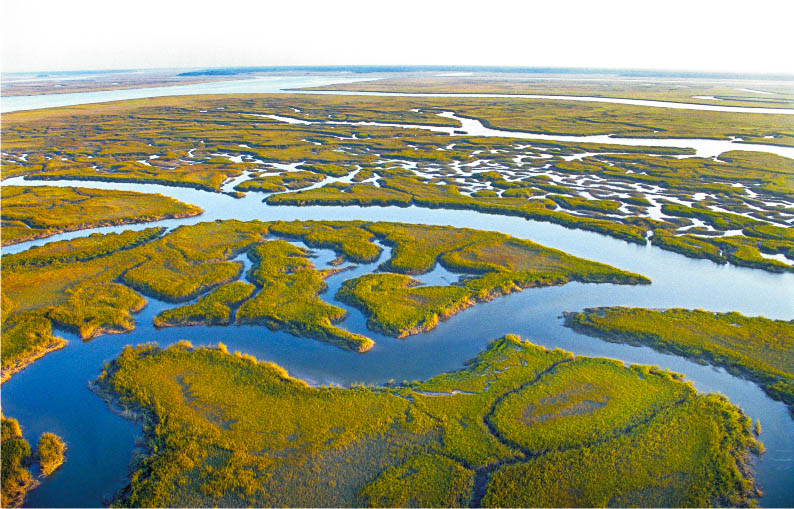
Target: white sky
column 750, row 36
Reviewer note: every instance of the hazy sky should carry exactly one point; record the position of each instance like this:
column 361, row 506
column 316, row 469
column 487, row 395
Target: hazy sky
column 751, row 36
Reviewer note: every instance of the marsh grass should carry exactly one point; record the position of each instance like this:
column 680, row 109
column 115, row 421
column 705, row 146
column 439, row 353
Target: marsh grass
column 214, row 438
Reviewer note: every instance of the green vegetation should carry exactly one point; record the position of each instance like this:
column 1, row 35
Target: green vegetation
column 50, row 452
column 204, row 141
column 41, row 211
column 754, row 347
column 25, row 338
column 598, row 398
column 191, row 260
column 415, row 484
column 212, row 309
column 670, row 461
column 81, row 249
column 18, row 457
column 453, row 440
column 92, row 309
column 90, row 285
column 16, row 479
column 279, row 183
column 398, row 305
column 345, row 237
column 288, row 298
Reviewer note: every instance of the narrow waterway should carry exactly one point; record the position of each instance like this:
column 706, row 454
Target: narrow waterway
column 473, row 127
column 52, row 394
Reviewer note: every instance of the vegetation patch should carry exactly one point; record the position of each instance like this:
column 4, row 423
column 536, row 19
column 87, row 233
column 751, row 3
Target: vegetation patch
column 754, row 347
column 279, row 183
column 41, row 211
column 416, row 483
column 288, row 297
column 50, row 452
column 212, row 309
column 19, row 459
column 215, row 441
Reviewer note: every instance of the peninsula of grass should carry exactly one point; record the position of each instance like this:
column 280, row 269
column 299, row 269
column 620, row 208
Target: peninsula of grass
column 398, row 305
column 212, row 309
column 756, row 348
column 25, row 338
column 288, row 297
column 459, row 439
column 34, row 212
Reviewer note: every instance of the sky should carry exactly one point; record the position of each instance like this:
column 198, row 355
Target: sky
column 700, row 35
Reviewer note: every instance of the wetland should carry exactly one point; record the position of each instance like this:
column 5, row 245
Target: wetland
column 332, row 224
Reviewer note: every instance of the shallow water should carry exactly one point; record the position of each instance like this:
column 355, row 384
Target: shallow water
column 101, row 442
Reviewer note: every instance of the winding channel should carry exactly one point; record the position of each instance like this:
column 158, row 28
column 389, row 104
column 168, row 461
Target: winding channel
column 52, row 394
column 474, row 127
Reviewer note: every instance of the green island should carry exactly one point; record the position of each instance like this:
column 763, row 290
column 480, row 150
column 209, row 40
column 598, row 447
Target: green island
column 735, row 208
column 50, row 452
column 18, row 459
column 756, row 348
column 399, row 305
column 42, row 211
column 491, row 434
column 93, row 285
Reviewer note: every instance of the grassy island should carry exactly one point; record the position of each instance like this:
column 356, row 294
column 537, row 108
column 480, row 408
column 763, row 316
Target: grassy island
column 753, row 347
column 50, row 452
column 490, row 434
column 288, row 298
column 34, row 212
